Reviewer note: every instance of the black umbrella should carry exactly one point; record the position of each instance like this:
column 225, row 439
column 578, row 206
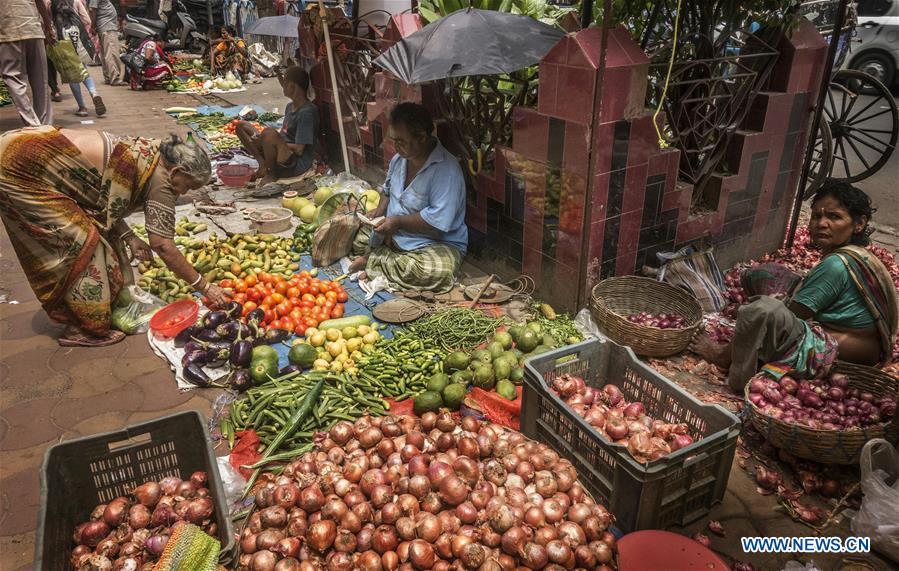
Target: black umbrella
column 470, row 42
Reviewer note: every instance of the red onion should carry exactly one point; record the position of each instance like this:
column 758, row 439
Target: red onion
column 321, row 535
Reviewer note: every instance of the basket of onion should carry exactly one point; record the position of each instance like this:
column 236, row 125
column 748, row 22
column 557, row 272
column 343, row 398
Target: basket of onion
column 402, row 493
column 110, row 501
column 827, row 420
column 654, row 318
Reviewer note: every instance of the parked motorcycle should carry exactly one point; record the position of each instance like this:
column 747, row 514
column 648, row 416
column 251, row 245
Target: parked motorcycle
column 180, row 33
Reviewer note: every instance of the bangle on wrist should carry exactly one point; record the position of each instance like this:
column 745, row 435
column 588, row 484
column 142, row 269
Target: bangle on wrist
column 197, row 281
column 206, row 288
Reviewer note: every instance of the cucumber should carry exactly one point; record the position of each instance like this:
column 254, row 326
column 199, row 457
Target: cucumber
column 353, row 321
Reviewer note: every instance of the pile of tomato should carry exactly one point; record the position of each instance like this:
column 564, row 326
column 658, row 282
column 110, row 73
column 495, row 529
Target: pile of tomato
column 294, row 304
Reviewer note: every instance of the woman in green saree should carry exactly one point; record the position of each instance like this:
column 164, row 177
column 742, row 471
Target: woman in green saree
column 844, row 308
column 64, row 195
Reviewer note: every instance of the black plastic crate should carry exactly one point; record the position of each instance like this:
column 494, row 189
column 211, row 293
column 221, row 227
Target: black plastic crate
column 674, row 490
column 79, row 474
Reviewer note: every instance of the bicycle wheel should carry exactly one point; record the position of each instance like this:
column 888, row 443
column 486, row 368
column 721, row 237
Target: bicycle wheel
column 822, row 158
column 864, row 123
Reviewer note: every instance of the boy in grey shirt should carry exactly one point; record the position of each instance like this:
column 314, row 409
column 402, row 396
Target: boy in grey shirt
column 105, row 21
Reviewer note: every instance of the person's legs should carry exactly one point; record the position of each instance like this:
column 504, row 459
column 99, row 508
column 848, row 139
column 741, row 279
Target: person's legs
column 79, row 99
column 13, row 73
column 274, row 151
column 36, row 64
column 53, row 81
column 251, row 143
column 113, row 68
column 99, row 106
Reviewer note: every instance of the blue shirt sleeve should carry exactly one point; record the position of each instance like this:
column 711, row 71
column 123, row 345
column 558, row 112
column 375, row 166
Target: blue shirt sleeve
column 446, row 198
column 823, row 285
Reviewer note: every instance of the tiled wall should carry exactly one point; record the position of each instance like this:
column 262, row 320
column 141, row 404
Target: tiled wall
column 586, row 192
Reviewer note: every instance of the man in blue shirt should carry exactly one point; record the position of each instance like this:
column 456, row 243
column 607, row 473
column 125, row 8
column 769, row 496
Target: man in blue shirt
column 420, row 243
column 290, row 152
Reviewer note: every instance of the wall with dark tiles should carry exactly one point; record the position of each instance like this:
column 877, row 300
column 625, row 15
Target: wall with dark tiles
column 585, row 191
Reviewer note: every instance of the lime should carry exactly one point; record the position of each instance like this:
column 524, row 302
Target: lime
column 264, row 352
column 437, row 382
column 528, row 341
column 302, row 355
column 428, row 401
column 453, row 395
column 455, row 362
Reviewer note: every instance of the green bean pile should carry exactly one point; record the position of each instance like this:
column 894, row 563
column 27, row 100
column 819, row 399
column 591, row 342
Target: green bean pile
column 456, row 328
column 269, row 117
column 209, row 122
column 562, row 328
column 400, row 367
column 268, row 408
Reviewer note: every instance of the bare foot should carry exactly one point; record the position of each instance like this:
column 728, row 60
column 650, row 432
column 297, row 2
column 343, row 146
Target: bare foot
column 713, row 352
column 260, row 172
column 358, row 264
column 266, row 180
column 74, row 336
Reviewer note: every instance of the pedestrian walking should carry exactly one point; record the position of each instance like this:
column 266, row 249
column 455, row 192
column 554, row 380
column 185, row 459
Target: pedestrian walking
column 105, row 21
column 66, row 20
column 23, row 58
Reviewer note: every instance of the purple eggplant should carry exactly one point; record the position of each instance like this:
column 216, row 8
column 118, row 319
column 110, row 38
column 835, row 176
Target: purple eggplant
column 217, row 356
column 214, row 318
column 207, row 335
column 240, row 380
column 273, row 336
column 185, row 336
column 192, row 346
column 233, row 309
column 241, row 353
column 194, row 358
column 232, row 330
column 195, row 375
column 290, row 369
column 257, row 315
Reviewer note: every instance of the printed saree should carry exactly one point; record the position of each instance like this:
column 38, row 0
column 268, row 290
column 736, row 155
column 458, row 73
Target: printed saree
column 60, row 211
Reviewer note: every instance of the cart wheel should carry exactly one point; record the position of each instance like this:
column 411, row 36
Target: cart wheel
column 864, row 124
column 822, row 159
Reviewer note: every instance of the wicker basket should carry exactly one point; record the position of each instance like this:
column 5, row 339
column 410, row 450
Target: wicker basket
column 831, row 446
column 614, row 299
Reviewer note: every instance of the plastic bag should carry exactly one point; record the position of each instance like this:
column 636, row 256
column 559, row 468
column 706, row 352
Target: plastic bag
column 232, row 481
column 66, row 61
column 878, row 517
column 133, row 309
column 585, row 324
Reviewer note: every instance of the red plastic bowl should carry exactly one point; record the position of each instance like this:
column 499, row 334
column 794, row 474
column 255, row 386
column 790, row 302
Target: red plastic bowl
column 236, row 176
column 174, row 318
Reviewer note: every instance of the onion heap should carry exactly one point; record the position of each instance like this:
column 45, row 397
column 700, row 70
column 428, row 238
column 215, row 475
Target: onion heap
column 662, row 320
column 621, row 421
column 822, row 404
column 402, row 493
column 129, row 533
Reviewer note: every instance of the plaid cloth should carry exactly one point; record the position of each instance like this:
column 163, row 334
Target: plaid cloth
column 189, row 549
column 431, row 268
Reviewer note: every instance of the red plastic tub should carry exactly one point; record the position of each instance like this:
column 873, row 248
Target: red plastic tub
column 236, row 176
column 174, row 318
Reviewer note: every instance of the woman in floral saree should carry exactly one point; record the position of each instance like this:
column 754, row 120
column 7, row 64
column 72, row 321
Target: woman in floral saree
column 845, row 307
column 64, row 195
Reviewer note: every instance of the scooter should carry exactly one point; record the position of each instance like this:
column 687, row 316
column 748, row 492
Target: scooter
column 180, row 33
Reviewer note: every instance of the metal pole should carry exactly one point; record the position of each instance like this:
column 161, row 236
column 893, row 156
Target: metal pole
column 816, row 120
column 591, row 157
column 586, row 14
column 210, row 26
column 334, row 88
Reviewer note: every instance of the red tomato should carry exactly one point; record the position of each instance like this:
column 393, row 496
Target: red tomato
column 269, row 301
column 300, row 329
column 337, row 312
column 269, row 315
column 226, row 283
column 310, row 322
column 293, row 292
column 281, row 287
column 342, row 296
column 296, row 314
column 287, row 324
column 251, row 280
column 283, row 309
column 307, row 303
column 239, row 297
column 248, row 307
column 263, row 277
column 304, row 274
column 277, row 298
column 331, row 295
column 308, row 297
column 320, row 300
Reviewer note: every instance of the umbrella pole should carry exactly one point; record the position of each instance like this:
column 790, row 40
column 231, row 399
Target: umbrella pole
column 334, row 88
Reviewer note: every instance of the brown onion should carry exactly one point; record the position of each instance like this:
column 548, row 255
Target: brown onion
column 422, row 555
column 384, row 539
column 116, row 512
column 139, row 516
column 268, row 539
column 321, row 535
column 263, row 561
column 453, row 490
column 170, row 485
column 199, row 509
column 428, row 528
column 533, row 556
column 288, row 564
column 148, row 494
column 558, row 551
column 445, row 421
column 514, row 539
column 311, row 499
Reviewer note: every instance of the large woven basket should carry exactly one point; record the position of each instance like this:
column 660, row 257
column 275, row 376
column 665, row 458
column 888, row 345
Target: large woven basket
column 831, row 446
column 614, row 299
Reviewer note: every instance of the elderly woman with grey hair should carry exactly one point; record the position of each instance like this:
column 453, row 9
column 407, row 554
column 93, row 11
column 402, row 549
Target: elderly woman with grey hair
column 64, row 195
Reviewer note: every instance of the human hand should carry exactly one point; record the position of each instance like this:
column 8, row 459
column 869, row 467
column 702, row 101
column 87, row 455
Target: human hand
column 390, row 225
column 216, row 296
column 140, row 249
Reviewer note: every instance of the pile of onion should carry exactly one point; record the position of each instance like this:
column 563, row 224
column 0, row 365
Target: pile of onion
column 822, row 404
column 662, row 320
column 403, row 494
column 129, row 533
column 621, row 421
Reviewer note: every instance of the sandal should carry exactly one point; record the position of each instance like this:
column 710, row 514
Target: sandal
column 75, row 337
column 81, row 113
column 56, row 97
column 99, row 106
